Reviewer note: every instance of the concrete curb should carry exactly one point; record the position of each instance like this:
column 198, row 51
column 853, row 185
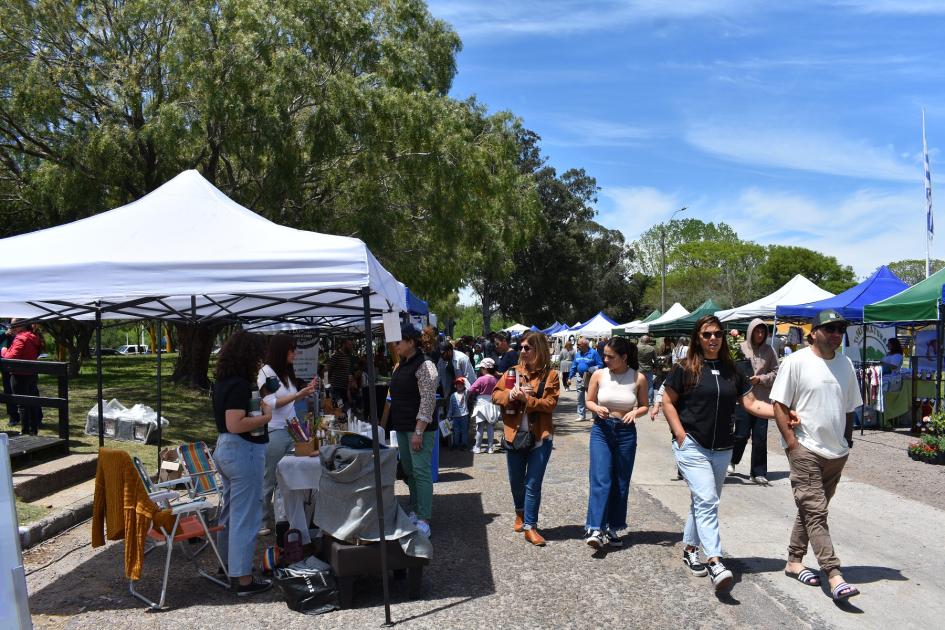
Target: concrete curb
column 32, row 534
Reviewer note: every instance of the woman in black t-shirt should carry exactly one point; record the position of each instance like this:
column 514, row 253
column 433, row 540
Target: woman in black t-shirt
column 699, row 404
column 240, row 456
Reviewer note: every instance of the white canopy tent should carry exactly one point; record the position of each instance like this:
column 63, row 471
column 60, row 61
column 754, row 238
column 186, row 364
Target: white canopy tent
column 568, row 332
column 597, row 326
column 220, row 262
column 516, row 329
column 797, row 290
column 224, row 261
column 629, row 324
column 674, row 312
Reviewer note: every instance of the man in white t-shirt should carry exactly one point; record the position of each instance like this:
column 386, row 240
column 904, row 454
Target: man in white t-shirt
column 821, row 387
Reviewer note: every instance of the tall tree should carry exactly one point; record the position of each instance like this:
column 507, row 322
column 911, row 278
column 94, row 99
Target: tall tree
column 784, row 262
column 913, row 271
column 648, row 248
column 321, row 115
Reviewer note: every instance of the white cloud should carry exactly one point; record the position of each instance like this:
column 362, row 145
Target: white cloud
column 802, row 150
column 636, row 209
column 561, row 17
column 904, row 7
column 864, row 228
column 591, row 132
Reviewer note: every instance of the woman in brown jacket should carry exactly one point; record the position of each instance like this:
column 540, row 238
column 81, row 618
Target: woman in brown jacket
column 528, row 398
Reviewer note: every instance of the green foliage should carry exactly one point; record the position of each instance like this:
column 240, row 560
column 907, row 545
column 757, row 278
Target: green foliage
column 647, row 248
column 319, row 115
column 912, row 271
column 784, row 262
column 469, row 322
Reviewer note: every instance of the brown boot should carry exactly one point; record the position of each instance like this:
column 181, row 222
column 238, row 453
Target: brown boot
column 519, row 524
column 532, row 536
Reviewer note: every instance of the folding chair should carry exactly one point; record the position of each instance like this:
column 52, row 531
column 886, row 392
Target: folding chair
column 189, row 523
column 157, row 491
column 200, row 473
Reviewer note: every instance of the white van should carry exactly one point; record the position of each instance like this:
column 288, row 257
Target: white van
column 133, row 349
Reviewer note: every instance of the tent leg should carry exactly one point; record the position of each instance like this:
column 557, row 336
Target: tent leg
column 98, row 374
column 914, row 365
column 863, row 383
column 372, row 406
column 160, row 351
column 938, row 358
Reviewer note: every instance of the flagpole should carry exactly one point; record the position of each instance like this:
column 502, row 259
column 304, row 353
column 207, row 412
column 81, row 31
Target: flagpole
column 929, row 226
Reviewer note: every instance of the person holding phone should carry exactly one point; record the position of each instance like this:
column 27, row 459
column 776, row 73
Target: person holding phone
column 699, row 401
column 278, row 385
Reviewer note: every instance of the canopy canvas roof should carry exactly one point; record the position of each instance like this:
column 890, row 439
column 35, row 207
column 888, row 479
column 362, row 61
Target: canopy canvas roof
column 516, row 328
column 683, row 325
column 675, row 311
column 918, row 303
column 225, row 261
column 797, row 290
column 567, row 331
column 881, row 284
column 597, row 326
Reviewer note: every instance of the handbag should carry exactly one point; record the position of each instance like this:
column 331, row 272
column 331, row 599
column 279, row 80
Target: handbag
column 308, row 587
column 524, row 440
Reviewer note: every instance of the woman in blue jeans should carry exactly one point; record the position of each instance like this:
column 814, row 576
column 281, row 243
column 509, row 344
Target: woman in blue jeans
column 699, row 403
column 617, row 396
column 240, row 456
column 527, row 398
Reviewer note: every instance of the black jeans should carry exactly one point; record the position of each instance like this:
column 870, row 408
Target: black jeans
column 30, row 416
column 757, row 428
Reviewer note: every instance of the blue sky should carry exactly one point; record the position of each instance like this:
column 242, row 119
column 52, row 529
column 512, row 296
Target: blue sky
column 796, row 123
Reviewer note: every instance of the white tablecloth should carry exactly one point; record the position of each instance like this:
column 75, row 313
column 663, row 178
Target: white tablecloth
column 298, row 482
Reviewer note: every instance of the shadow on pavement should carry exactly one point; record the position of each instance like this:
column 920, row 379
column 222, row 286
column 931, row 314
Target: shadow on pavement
column 662, row 539
column 857, row 574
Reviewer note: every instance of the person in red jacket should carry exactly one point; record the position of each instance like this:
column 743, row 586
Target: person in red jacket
column 26, row 345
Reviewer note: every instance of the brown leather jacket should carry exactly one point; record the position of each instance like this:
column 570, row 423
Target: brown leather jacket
column 539, row 410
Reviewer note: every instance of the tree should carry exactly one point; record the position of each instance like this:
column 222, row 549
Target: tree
column 784, row 262
column 321, row 115
column 913, row 271
column 647, row 248
column 726, row 271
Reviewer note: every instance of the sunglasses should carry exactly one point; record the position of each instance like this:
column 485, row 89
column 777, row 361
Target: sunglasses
column 718, row 334
column 526, row 348
column 834, row 329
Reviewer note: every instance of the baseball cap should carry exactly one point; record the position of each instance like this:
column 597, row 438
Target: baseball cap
column 409, row 331
column 828, row 316
column 459, row 379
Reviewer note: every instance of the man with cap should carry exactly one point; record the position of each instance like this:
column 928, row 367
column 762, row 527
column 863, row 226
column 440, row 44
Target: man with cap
column 820, row 386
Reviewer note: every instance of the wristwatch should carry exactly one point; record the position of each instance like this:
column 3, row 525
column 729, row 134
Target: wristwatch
column 418, row 432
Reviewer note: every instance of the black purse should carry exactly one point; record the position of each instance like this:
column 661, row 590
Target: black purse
column 524, row 440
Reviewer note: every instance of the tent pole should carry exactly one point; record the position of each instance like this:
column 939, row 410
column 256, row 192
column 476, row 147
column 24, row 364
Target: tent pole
column 98, row 373
column 938, row 359
column 914, row 365
column 160, row 351
column 372, row 406
column 863, row 382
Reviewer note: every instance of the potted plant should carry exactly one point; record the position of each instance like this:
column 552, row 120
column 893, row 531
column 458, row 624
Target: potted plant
column 914, row 449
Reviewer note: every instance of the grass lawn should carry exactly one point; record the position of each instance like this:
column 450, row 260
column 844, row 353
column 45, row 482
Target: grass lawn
column 133, row 379
column 28, row 513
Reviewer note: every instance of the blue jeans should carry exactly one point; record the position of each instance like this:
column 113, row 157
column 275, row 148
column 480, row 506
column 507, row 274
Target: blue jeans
column 582, row 391
column 280, row 443
column 241, row 465
column 613, row 447
column 526, row 472
column 649, row 387
column 704, row 471
column 460, row 431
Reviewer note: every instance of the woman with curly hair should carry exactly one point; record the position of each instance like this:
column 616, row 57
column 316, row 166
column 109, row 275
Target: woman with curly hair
column 240, row 456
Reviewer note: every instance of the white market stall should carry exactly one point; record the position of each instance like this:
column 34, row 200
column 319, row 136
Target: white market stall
column 797, row 290
column 674, row 312
column 221, row 262
column 598, row 326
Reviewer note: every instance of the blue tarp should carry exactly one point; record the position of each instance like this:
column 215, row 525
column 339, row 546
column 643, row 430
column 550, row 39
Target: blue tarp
column 879, row 286
column 415, row 306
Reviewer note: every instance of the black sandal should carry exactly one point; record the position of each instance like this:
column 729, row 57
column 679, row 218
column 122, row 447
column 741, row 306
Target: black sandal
column 805, row 576
column 840, row 596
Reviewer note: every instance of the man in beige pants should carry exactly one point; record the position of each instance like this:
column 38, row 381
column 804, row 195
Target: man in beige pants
column 821, row 387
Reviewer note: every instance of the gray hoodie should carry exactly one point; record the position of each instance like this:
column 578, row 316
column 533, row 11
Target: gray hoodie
column 764, row 362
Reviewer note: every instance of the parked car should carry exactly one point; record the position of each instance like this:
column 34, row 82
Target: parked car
column 105, row 352
column 133, row 348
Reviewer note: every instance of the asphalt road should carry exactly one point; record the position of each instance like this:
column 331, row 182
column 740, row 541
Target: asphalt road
column 483, row 574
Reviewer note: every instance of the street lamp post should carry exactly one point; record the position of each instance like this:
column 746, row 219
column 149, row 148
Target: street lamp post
column 663, row 260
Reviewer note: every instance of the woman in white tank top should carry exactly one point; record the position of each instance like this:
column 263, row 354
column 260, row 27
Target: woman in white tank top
column 617, row 396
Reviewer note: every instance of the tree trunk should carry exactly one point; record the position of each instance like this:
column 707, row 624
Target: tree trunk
column 486, row 305
column 195, row 344
column 75, row 338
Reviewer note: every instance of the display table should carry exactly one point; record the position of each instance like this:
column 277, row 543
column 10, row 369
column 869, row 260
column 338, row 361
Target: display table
column 899, row 402
column 298, row 480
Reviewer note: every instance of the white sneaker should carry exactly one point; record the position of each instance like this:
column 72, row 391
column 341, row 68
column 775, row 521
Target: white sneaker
column 594, row 539
column 731, row 469
column 580, row 418
column 424, row 528
column 413, row 517
column 476, row 450
column 721, row 577
column 761, row 481
column 491, row 450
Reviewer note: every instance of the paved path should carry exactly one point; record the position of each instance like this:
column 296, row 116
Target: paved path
column 484, row 574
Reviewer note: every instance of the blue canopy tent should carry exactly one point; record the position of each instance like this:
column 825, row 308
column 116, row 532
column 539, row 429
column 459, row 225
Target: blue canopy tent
column 415, row 306
column 879, row 286
column 553, row 328
column 535, row 328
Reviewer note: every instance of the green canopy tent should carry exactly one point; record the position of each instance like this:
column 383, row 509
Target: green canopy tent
column 919, row 304
column 621, row 331
column 683, row 325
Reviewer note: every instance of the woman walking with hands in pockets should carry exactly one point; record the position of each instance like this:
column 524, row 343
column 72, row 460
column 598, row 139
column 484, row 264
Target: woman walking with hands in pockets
column 617, row 396
column 699, row 403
